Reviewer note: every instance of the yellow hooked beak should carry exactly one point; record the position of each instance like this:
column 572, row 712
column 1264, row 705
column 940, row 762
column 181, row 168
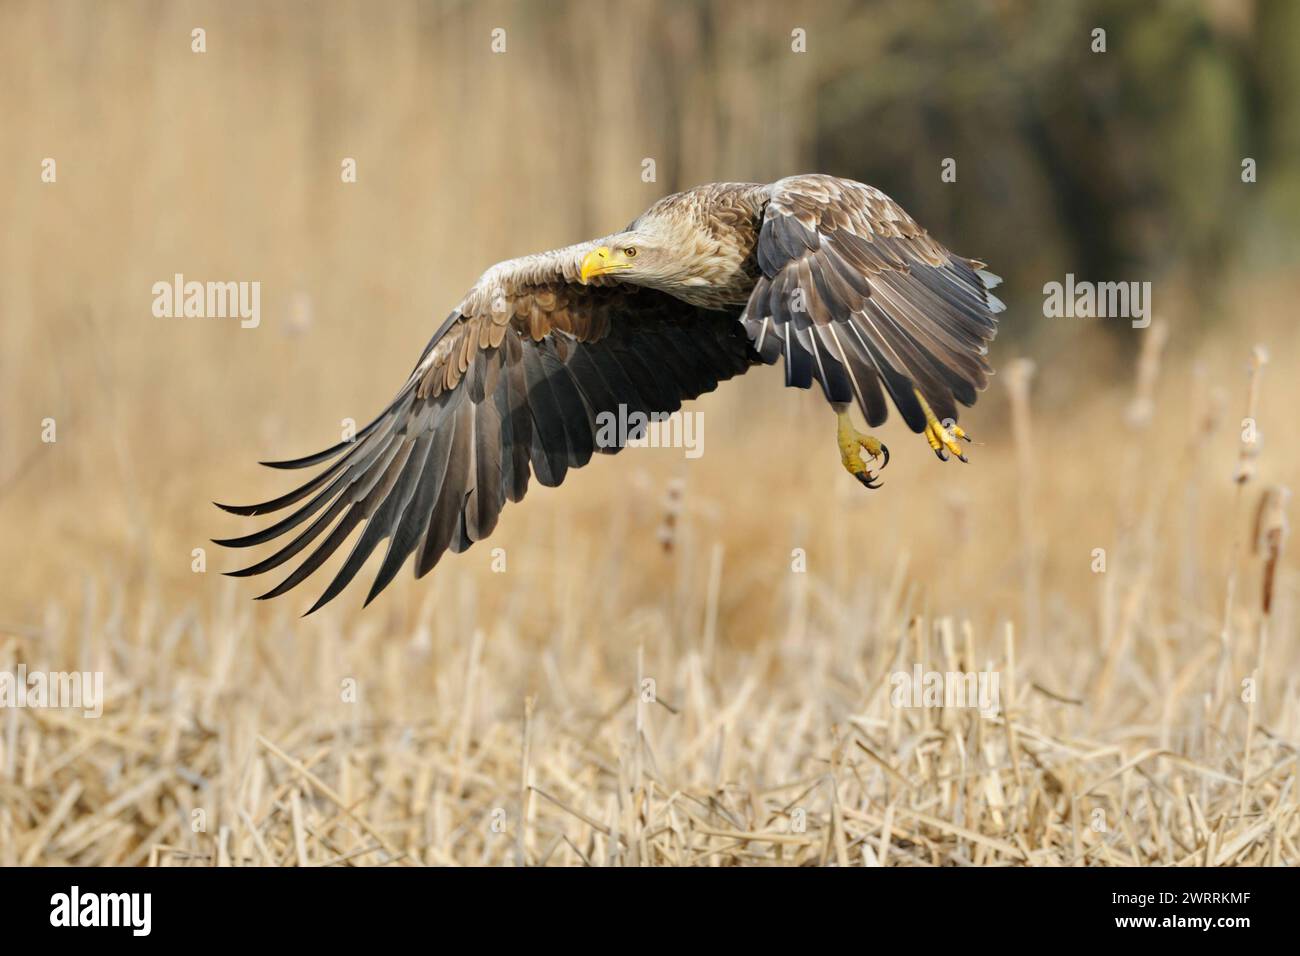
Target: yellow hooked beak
column 602, row 261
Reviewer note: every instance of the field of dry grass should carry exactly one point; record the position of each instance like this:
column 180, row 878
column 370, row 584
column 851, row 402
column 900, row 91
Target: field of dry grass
column 650, row 681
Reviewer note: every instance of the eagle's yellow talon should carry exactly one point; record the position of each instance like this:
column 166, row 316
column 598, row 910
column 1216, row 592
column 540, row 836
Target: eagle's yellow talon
column 851, row 442
column 943, row 437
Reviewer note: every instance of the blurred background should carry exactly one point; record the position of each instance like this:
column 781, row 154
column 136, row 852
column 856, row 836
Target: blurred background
column 1123, row 165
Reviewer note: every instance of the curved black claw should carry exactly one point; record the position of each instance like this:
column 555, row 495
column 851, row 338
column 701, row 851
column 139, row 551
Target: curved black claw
column 942, row 455
column 868, row 479
column 884, row 450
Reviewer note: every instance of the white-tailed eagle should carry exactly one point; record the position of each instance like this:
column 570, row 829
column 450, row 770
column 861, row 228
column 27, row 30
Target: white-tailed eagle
column 830, row 275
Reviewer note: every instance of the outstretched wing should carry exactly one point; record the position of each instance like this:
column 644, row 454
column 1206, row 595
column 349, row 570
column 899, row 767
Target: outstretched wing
column 855, row 294
column 512, row 383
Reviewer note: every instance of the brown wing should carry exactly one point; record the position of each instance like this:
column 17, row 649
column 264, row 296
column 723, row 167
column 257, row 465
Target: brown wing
column 855, row 294
column 511, row 384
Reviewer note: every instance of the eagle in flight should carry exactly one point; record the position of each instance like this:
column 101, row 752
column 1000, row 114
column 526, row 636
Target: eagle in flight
column 828, row 274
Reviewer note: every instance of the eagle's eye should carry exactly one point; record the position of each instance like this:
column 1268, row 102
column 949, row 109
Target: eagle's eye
column 630, row 252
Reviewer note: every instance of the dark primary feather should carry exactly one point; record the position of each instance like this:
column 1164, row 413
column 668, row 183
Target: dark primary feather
column 856, row 295
column 432, row 472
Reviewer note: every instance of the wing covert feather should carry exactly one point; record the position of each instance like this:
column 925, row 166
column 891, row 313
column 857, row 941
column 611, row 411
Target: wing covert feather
column 856, row 295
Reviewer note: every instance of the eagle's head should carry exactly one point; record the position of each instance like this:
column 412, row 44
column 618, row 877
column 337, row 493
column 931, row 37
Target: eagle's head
column 617, row 255
column 658, row 251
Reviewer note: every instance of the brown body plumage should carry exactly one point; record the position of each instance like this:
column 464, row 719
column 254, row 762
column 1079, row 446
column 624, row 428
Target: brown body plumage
column 829, row 274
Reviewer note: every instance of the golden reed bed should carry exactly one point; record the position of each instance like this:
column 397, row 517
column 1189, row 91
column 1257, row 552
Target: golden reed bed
column 636, row 695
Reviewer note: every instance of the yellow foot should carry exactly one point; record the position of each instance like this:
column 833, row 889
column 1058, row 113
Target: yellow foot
column 851, row 442
column 942, row 436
